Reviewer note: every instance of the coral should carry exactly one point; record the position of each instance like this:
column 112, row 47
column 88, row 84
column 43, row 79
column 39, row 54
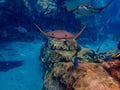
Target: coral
column 104, row 56
column 88, row 76
column 86, row 55
column 94, row 78
column 65, row 49
column 60, row 73
column 58, row 55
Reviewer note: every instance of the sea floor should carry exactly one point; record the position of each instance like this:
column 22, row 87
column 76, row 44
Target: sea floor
column 26, row 77
column 29, row 76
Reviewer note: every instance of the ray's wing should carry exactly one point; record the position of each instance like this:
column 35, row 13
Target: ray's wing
column 40, row 29
column 72, row 4
column 101, row 8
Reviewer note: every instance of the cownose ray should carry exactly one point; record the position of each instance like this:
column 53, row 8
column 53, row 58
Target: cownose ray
column 74, row 3
column 87, row 10
column 61, row 34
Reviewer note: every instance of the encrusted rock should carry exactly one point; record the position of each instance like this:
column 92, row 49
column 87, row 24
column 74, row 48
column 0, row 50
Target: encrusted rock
column 88, row 76
column 104, row 56
column 62, row 44
column 113, row 68
column 65, row 49
column 60, row 73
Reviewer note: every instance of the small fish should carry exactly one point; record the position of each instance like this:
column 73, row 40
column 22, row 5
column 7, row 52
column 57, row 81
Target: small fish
column 98, row 49
column 116, row 56
column 75, row 62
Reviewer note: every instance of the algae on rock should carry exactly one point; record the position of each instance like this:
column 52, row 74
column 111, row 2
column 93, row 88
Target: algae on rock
column 58, row 57
column 67, row 50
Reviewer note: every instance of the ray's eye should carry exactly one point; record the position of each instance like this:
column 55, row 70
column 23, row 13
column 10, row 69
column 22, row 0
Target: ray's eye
column 65, row 35
column 52, row 34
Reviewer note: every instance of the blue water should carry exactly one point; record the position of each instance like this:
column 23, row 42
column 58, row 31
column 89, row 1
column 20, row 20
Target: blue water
column 26, row 77
column 20, row 40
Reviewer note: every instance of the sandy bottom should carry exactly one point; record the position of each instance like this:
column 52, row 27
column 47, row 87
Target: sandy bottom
column 26, row 77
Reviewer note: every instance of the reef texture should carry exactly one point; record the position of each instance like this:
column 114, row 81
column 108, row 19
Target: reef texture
column 104, row 56
column 65, row 49
column 113, row 68
column 60, row 74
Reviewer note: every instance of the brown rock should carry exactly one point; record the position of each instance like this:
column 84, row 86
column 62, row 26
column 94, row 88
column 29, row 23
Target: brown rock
column 113, row 68
column 95, row 78
column 60, row 73
column 88, row 76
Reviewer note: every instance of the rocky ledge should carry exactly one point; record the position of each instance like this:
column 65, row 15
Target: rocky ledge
column 60, row 73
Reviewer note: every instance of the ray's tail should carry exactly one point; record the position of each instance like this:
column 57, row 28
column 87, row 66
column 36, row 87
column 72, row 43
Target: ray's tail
column 81, row 31
column 40, row 29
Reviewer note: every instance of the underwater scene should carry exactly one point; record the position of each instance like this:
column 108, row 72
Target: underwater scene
column 59, row 44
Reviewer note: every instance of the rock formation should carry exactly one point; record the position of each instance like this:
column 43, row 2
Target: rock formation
column 113, row 68
column 60, row 73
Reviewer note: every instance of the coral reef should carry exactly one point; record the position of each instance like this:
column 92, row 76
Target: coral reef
column 66, row 49
column 60, row 73
column 104, row 56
